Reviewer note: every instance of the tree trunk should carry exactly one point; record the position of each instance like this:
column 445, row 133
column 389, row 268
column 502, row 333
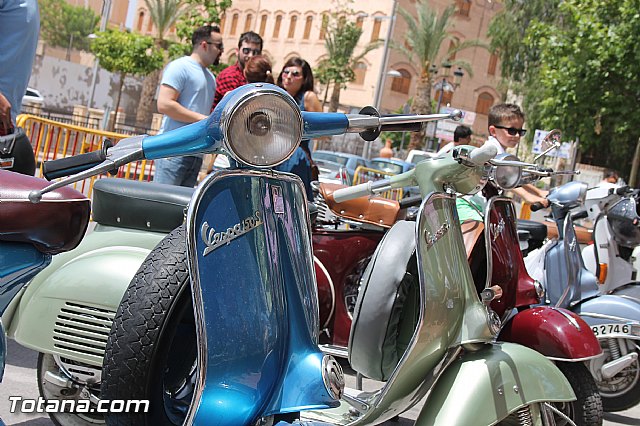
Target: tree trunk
column 326, row 92
column 335, row 97
column 115, row 110
column 421, row 105
column 634, row 166
column 147, row 106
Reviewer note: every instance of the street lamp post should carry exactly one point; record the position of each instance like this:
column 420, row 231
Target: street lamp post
column 442, row 86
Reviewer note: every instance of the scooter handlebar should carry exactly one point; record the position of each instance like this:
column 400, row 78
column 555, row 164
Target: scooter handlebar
column 68, row 166
column 537, row 206
column 351, row 192
column 480, row 156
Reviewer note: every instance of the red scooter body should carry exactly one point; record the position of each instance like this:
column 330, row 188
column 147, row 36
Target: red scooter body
column 556, row 333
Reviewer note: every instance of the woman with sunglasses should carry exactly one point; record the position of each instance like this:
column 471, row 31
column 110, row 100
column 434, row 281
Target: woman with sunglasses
column 297, row 79
column 505, row 131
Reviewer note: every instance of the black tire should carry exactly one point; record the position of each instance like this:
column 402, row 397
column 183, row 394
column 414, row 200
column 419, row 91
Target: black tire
column 587, row 409
column 152, row 345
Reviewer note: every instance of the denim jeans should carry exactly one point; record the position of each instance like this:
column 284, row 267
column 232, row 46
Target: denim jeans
column 182, row 171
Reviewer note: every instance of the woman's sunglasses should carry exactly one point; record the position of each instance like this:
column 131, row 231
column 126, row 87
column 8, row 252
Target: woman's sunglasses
column 292, row 73
column 513, row 131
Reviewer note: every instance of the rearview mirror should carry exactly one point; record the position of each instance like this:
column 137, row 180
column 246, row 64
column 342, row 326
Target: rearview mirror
column 549, row 143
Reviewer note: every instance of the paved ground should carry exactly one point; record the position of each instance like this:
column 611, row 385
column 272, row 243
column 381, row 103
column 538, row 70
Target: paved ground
column 20, row 379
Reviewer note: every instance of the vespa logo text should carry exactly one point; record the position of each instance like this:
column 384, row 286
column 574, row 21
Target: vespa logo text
column 497, row 228
column 431, row 239
column 214, row 239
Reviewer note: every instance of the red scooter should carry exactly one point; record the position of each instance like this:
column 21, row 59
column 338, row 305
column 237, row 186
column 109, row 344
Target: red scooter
column 559, row 334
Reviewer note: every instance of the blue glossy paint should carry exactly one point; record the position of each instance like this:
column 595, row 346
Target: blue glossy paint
column 19, row 262
column 191, row 139
column 258, row 299
column 318, row 124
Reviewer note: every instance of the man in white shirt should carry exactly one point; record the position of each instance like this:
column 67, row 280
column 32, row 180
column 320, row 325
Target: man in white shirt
column 461, row 136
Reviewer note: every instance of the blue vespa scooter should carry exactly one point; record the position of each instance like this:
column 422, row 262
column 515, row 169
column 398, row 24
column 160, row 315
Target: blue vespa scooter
column 254, row 301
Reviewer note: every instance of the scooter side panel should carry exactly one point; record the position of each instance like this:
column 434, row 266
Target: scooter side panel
column 492, row 383
column 631, row 290
column 255, row 302
column 554, row 332
column 609, row 309
column 67, row 309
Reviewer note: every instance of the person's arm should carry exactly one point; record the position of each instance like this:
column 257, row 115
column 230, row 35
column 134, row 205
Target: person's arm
column 530, row 194
column 169, row 106
column 5, row 112
column 311, row 102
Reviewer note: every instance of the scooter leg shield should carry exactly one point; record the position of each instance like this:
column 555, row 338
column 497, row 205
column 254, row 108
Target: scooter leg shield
column 556, row 333
column 485, row 386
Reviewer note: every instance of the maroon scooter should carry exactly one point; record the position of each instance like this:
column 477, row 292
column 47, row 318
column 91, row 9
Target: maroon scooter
column 559, row 334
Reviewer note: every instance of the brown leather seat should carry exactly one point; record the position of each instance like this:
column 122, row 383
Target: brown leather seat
column 584, row 235
column 374, row 210
column 54, row 225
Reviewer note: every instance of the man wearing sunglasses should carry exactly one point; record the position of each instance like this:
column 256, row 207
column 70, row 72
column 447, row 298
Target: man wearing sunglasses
column 505, row 131
column 250, row 44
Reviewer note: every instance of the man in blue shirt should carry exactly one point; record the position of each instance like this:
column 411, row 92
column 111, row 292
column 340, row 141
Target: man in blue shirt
column 19, row 28
column 186, row 94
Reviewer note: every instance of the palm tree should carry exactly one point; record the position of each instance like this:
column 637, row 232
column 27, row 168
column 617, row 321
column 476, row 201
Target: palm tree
column 164, row 14
column 428, row 32
column 340, row 42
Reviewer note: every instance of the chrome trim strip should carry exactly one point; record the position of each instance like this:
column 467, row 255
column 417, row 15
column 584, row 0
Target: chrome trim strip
column 607, row 317
column 624, row 296
column 571, row 319
column 553, row 358
column 334, row 350
column 316, row 261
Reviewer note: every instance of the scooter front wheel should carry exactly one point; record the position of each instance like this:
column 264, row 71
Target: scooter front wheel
column 622, row 390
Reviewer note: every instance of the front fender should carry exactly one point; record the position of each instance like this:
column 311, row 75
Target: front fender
column 68, row 308
column 492, row 383
column 610, row 309
column 556, row 333
column 630, row 291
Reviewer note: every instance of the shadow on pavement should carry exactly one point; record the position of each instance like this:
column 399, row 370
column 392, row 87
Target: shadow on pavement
column 620, row 419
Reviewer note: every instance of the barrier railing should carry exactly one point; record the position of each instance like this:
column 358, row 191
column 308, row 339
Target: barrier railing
column 365, row 174
column 51, row 140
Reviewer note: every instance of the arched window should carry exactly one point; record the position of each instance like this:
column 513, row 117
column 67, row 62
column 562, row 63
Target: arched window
column 463, row 7
column 140, row 20
column 360, row 21
column 263, row 25
column 307, row 27
column 375, row 34
column 323, row 27
column 234, row 24
column 223, row 20
column 150, row 25
column 485, row 101
column 493, row 63
column 403, row 83
column 248, row 22
column 276, row 27
column 292, row 26
column 360, row 71
column 453, row 45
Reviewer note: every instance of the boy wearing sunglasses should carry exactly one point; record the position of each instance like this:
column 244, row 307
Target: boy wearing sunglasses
column 505, row 131
column 249, row 45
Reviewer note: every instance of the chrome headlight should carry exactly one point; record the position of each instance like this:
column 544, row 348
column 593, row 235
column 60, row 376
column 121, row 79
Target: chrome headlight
column 506, row 177
column 261, row 125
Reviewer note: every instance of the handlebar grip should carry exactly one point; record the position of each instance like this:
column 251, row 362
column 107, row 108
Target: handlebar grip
column 351, row 192
column 537, row 206
column 481, row 155
column 410, row 201
column 622, row 190
column 54, row 169
column 580, row 215
column 406, row 127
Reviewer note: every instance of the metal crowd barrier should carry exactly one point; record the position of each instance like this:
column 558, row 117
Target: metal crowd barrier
column 51, row 140
column 365, row 174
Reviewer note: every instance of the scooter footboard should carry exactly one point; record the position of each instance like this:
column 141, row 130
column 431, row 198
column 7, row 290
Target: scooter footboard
column 484, row 387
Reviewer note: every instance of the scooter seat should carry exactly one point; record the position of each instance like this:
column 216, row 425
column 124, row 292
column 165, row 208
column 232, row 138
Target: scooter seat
column 54, row 225
column 139, row 205
column 537, row 230
column 373, row 210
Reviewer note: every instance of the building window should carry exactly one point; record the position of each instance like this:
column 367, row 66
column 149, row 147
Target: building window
column 276, row 27
column 446, row 98
column 360, row 72
column 375, row 34
column 402, row 84
column 323, row 27
column 222, row 22
column 248, row 22
column 453, row 45
column 150, row 25
column 493, row 63
column 463, row 7
column 234, row 24
column 140, row 20
column 292, row 26
column 307, row 27
column 485, row 101
column 360, row 22
column 263, row 25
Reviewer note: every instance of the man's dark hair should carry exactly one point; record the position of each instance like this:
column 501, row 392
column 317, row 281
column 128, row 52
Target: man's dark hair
column 461, row 132
column 250, row 37
column 203, row 34
column 500, row 113
column 307, row 74
column 609, row 173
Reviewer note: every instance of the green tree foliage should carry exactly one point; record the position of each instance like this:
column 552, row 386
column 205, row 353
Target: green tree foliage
column 341, row 40
column 65, row 25
column 588, row 83
column 127, row 54
column 199, row 13
column 428, row 31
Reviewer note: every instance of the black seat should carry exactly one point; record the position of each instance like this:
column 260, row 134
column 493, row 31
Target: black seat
column 537, row 230
column 140, row 205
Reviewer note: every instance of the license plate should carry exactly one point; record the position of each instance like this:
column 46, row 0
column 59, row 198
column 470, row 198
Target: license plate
column 607, row 329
